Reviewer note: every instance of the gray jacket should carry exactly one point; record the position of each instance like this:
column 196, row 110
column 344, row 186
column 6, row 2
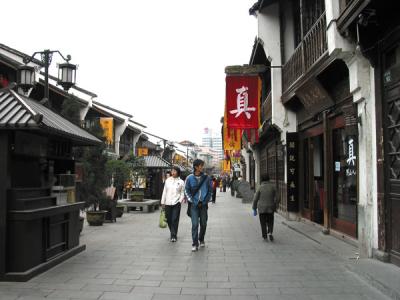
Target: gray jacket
column 265, row 199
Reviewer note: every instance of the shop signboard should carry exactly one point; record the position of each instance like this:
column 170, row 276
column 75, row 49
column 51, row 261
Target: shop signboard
column 292, row 171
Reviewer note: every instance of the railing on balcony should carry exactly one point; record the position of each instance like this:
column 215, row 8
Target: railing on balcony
column 266, row 109
column 343, row 4
column 313, row 46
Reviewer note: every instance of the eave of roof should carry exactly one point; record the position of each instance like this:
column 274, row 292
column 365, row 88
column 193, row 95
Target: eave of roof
column 156, row 162
column 112, row 109
column 107, row 112
column 20, row 112
column 82, row 90
column 20, row 54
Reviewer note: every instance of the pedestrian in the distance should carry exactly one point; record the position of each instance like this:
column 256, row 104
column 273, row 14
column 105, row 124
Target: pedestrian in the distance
column 214, row 184
column 265, row 201
column 224, row 184
column 172, row 197
column 198, row 191
column 232, row 186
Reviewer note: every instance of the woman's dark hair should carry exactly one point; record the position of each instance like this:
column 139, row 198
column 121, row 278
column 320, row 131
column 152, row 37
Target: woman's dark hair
column 168, row 172
column 264, row 177
column 177, row 169
column 197, row 162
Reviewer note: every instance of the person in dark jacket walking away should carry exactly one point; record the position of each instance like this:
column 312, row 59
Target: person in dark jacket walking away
column 198, row 192
column 265, row 201
column 214, row 184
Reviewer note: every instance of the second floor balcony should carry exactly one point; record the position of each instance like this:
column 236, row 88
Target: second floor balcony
column 312, row 49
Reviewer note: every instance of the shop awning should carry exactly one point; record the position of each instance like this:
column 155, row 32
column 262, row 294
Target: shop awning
column 22, row 113
column 156, row 162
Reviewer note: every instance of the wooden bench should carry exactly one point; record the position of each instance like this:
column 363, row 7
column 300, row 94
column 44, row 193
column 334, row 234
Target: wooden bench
column 146, row 205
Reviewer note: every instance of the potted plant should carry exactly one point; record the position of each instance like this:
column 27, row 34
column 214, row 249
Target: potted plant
column 94, row 180
column 138, row 174
column 118, row 173
column 110, row 207
column 120, row 210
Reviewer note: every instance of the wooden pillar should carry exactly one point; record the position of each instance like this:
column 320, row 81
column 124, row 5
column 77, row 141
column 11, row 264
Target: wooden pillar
column 4, row 184
column 327, row 171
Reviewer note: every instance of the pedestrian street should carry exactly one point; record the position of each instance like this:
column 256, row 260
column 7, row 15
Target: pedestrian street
column 134, row 259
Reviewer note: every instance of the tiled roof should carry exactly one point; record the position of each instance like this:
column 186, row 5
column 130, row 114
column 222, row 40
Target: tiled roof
column 20, row 112
column 156, row 162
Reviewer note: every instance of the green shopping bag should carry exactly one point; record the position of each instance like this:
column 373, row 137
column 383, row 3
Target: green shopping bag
column 163, row 219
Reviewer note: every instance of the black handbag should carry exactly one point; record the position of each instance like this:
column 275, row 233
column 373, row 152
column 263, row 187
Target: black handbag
column 189, row 208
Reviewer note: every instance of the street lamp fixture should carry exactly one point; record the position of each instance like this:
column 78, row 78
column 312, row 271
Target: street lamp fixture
column 66, row 72
column 26, row 77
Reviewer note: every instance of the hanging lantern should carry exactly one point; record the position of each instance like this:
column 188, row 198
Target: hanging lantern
column 66, row 75
column 26, row 77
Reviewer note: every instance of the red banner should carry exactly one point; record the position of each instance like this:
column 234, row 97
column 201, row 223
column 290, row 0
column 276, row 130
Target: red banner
column 243, row 102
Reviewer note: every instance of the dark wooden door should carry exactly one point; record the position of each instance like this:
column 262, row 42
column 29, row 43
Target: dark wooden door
column 391, row 99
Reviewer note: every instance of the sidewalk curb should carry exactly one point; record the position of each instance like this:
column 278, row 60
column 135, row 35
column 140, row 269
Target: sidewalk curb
column 373, row 281
column 301, row 232
column 362, row 268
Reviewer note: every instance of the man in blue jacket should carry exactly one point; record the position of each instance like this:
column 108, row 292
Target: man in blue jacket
column 198, row 191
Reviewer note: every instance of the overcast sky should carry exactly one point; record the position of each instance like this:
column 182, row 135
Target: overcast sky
column 161, row 61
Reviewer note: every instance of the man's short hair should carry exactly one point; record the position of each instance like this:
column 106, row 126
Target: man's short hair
column 264, row 177
column 197, row 162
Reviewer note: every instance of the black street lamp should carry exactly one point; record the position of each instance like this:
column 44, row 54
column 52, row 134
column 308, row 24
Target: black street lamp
column 66, row 72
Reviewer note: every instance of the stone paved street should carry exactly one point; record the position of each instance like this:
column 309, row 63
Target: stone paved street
column 133, row 259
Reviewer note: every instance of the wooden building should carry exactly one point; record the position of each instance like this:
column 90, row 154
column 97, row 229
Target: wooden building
column 35, row 146
column 375, row 27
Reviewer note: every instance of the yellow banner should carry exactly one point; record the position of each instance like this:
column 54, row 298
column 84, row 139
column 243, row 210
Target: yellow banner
column 232, row 139
column 227, row 166
column 108, row 127
column 143, row 151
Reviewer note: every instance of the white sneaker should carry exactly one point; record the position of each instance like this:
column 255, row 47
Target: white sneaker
column 202, row 244
column 194, row 248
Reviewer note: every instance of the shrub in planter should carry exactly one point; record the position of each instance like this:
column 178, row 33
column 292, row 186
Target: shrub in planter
column 137, row 195
column 95, row 218
column 81, row 220
column 120, row 210
column 110, row 207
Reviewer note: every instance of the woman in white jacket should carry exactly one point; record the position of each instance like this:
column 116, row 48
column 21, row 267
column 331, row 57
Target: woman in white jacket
column 171, row 200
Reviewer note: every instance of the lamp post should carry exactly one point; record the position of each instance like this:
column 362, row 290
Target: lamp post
column 66, row 72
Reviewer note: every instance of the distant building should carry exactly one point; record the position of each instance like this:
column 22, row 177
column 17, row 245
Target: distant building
column 213, row 140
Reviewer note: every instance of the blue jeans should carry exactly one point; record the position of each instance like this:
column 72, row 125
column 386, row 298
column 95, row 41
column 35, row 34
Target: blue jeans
column 202, row 214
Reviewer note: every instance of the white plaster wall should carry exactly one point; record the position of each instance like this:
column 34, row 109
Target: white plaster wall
column 361, row 77
column 119, row 130
column 374, row 162
column 288, row 30
column 269, row 32
column 336, row 42
column 256, row 154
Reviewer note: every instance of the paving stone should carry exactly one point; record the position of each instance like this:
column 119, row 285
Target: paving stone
column 133, row 282
column 248, row 297
column 236, row 264
column 156, row 290
column 178, row 297
column 125, row 296
column 107, row 288
column 186, row 284
column 75, row 294
column 208, row 291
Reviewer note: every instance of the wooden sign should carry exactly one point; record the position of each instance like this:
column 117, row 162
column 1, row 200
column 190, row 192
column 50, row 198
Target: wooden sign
column 314, row 97
column 292, row 171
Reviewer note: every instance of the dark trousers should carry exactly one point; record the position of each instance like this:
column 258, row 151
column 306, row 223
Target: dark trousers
column 267, row 223
column 214, row 195
column 202, row 214
column 172, row 212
